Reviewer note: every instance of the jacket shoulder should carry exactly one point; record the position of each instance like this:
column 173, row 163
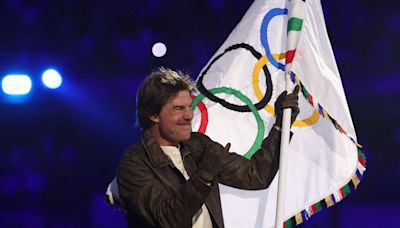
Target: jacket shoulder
column 134, row 152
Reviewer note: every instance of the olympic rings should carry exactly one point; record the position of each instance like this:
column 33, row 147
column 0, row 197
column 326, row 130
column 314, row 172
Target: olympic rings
column 263, row 100
column 260, row 123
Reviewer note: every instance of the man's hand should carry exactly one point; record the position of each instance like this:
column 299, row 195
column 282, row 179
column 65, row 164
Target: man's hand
column 287, row 101
column 211, row 162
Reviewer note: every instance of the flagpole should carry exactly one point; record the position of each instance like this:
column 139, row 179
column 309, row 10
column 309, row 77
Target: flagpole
column 285, row 134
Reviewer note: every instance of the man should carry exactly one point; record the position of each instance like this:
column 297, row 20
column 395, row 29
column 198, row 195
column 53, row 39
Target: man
column 170, row 178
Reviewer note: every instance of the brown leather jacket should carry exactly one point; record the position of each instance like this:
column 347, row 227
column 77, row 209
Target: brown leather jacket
column 156, row 194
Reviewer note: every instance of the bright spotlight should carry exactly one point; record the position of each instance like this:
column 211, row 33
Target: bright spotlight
column 16, row 84
column 159, row 49
column 51, row 79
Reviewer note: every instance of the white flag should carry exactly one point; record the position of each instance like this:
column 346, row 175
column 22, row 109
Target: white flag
column 234, row 101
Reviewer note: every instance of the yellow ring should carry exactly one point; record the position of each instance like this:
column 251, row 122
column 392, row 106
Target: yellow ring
column 257, row 68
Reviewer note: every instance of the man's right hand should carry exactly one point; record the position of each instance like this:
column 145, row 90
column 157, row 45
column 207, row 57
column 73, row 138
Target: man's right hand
column 211, row 162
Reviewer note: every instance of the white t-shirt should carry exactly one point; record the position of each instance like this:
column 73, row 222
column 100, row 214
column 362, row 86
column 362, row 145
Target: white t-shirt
column 202, row 218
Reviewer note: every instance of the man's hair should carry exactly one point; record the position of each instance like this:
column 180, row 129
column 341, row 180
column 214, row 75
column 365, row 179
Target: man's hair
column 155, row 91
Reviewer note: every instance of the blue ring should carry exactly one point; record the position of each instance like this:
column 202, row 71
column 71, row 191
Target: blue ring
column 264, row 35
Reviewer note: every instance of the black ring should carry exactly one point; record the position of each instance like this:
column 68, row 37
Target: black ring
column 240, row 108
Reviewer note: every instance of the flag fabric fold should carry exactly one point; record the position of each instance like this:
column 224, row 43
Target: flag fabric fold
column 234, row 100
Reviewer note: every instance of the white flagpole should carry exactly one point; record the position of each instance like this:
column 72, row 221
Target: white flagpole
column 297, row 9
column 283, row 160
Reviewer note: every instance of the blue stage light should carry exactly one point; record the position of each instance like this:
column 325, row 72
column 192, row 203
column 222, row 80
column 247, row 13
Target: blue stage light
column 16, row 84
column 51, row 79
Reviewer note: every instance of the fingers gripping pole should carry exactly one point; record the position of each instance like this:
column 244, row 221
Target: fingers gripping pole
column 287, row 112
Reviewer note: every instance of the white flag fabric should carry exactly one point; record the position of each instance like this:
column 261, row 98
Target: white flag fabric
column 234, row 101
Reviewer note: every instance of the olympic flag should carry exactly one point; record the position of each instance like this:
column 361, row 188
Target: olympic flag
column 234, row 101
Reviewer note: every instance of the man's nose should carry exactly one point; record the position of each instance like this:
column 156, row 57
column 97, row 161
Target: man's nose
column 188, row 114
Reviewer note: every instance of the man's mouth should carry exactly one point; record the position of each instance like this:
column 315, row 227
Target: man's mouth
column 184, row 124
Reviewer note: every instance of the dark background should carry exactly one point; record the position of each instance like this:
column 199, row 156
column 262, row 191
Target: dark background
column 59, row 149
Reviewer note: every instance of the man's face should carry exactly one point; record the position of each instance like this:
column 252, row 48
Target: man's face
column 174, row 120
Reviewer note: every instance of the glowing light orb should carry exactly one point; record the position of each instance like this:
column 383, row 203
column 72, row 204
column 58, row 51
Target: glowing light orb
column 159, row 49
column 51, row 79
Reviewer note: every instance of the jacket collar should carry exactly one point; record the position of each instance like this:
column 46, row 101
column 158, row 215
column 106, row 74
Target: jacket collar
column 157, row 157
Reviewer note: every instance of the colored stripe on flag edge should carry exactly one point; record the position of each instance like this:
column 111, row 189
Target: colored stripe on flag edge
column 339, row 195
column 294, row 78
column 327, row 202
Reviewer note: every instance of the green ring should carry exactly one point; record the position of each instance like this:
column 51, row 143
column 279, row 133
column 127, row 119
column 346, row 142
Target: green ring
column 260, row 123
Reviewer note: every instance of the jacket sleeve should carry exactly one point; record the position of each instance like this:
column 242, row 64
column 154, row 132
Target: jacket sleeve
column 158, row 204
column 256, row 173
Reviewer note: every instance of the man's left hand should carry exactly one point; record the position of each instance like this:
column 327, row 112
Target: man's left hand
column 287, row 101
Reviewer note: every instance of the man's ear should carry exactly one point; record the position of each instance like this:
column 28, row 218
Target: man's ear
column 155, row 118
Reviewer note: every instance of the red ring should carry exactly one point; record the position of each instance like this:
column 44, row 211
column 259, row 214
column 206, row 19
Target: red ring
column 204, row 116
